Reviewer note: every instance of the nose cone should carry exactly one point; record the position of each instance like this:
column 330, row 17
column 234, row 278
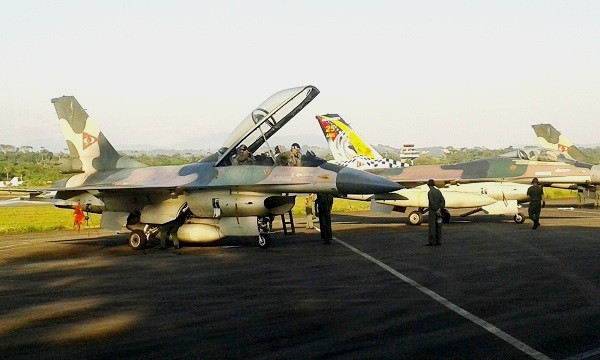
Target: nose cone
column 350, row 181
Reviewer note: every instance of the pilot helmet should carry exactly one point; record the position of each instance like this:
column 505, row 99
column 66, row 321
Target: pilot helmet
column 296, row 146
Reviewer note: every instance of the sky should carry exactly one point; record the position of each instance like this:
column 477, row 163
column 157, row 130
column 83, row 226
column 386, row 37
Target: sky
column 431, row 73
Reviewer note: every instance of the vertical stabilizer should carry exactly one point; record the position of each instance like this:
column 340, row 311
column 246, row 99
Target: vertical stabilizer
column 89, row 150
column 344, row 142
column 550, row 138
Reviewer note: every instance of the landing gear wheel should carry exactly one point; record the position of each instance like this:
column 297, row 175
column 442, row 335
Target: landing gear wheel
column 445, row 216
column 137, row 239
column 415, row 218
column 264, row 241
column 519, row 218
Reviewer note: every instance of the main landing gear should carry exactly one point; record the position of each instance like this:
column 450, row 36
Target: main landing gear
column 416, row 217
column 519, row 218
column 138, row 239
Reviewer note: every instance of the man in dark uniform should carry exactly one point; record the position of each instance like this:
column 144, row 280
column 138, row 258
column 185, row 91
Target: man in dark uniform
column 292, row 157
column 243, row 156
column 436, row 204
column 323, row 205
column 535, row 194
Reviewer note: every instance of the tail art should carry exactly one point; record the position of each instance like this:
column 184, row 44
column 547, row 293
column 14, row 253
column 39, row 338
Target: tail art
column 550, row 138
column 349, row 148
column 89, row 150
column 344, row 142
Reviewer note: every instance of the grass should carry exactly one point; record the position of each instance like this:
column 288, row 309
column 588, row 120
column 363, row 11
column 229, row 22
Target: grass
column 24, row 219
column 339, row 205
column 551, row 193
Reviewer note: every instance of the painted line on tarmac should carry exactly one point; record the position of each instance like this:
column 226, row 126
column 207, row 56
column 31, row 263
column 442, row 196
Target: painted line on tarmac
column 457, row 309
column 585, row 355
column 580, row 211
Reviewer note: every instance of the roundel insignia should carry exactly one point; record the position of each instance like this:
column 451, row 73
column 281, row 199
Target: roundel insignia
column 88, row 140
column 267, row 171
column 512, row 167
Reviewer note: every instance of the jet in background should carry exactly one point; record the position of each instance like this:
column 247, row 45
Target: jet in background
column 494, row 186
column 9, row 183
column 214, row 198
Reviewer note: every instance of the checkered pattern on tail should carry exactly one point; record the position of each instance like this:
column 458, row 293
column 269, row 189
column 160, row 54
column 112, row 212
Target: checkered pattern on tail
column 365, row 163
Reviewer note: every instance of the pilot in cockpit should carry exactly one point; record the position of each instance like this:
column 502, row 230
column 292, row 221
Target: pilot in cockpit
column 243, row 156
column 292, row 157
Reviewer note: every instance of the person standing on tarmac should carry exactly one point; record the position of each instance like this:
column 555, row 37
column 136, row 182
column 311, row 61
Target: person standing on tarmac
column 323, row 206
column 535, row 194
column 436, row 205
column 292, row 157
column 309, row 203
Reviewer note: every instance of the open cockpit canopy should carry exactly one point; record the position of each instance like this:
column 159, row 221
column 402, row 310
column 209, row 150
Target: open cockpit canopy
column 266, row 120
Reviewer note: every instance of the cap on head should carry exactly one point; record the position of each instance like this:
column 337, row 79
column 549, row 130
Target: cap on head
column 242, row 148
column 430, row 182
column 296, row 146
column 535, row 181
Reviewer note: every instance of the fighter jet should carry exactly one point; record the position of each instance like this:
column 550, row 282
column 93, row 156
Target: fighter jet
column 494, row 186
column 213, row 198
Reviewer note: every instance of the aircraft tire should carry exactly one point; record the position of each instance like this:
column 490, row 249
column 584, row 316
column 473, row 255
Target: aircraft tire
column 137, row 239
column 415, row 218
column 263, row 241
column 445, row 216
column 519, row 218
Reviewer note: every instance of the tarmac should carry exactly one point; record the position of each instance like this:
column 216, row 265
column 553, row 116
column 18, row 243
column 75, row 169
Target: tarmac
column 493, row 290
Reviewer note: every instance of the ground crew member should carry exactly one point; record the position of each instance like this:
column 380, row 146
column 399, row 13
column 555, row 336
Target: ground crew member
column 292, row 157
column 243, row 156
column 309, row 203
column 436, row 204
column 78, row 217
column 580, row 198
column 535, row 194
column 323, row 206
column 597, row 192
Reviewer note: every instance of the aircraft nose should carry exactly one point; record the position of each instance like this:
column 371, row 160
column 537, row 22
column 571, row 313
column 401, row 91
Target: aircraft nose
column 351, row 181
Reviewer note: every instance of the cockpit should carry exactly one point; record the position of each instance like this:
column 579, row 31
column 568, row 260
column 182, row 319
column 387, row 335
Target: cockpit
column 537, row 154
column 262, row 123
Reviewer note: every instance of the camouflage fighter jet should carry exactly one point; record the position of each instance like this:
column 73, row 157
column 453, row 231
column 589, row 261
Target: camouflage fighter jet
column 494, row 186
column 214, row 198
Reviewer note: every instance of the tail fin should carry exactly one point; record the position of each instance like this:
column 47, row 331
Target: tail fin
column 344, row 142
column 15, row 181
column 550, row 138
column 89, row 150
